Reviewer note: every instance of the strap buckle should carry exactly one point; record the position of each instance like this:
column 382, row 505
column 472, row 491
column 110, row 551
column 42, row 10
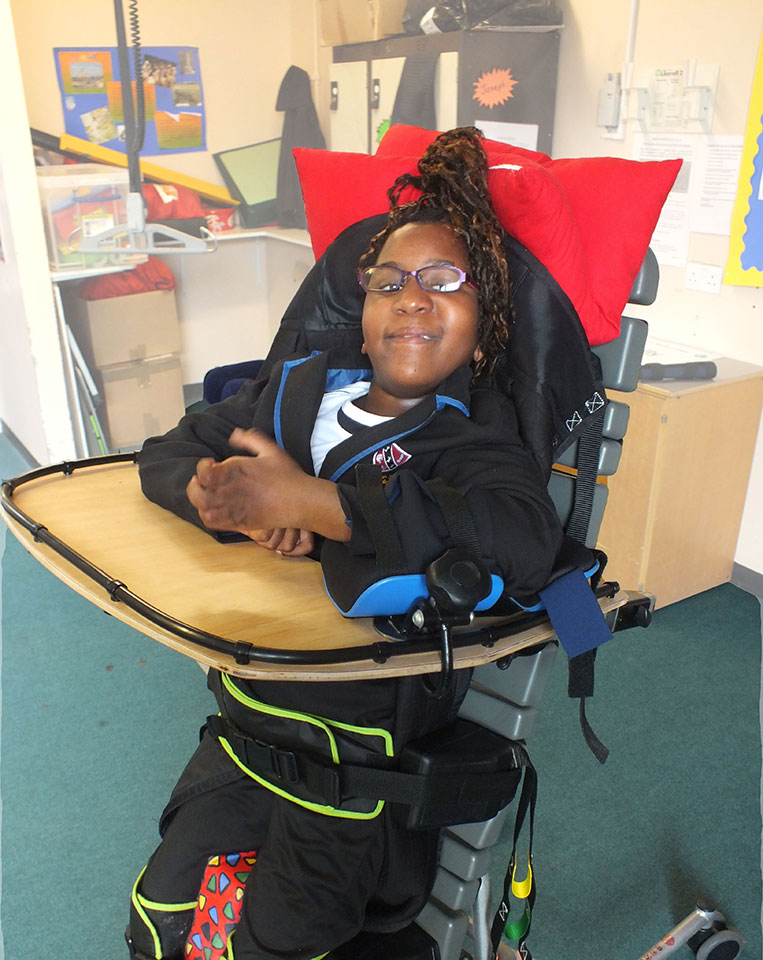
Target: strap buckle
column 283, row 763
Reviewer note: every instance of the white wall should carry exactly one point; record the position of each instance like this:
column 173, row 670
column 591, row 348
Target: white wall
column 32, row 389
column 247, row 45
column 722, row 32
column 245, row 48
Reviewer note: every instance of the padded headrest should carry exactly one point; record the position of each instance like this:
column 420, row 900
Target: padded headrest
column 588, row 220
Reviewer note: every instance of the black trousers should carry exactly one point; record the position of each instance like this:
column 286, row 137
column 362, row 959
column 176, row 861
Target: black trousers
column 318, row 880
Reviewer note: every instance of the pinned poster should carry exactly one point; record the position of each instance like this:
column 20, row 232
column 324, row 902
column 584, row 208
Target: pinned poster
column 745, row 262
column 91, row 94
column 509, row 79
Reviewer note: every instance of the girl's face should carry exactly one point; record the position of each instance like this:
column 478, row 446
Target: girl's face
column 416, row 338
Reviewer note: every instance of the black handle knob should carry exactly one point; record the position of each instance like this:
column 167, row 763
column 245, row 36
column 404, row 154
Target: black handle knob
column 457, row 581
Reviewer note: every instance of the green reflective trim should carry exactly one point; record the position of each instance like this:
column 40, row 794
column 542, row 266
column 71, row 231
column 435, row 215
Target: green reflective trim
column 165, row 907
column 322, row 808
column 278, row 712
column 144, row 917
column 517, row 929
column 389, row 747
column 322, row 722
column 142, row 904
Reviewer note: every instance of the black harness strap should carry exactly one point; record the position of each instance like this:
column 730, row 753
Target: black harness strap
column 502, row 924
column 581, row 671
column 580, row 686
column 589, row 445
column 457, row 516
column 390, row 556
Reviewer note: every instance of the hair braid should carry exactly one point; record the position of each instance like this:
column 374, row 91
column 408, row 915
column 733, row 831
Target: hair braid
column 453, row 181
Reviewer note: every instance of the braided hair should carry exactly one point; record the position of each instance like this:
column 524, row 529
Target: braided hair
column 452, row 179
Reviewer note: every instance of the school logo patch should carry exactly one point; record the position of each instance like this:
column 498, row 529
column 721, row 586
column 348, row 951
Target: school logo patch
column 391, row 457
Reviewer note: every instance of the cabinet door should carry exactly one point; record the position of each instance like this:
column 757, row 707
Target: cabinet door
column 446, row 91
column 348, row 116
column 385, row 80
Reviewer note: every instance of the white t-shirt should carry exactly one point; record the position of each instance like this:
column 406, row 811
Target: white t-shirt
column 328, row 431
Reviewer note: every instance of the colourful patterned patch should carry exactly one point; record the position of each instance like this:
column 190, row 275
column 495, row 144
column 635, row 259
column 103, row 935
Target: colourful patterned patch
column 219, row 905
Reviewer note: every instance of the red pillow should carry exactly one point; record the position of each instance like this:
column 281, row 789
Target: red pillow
column 616, row 203
column 589, row 221
column 533, row 208
column 340, row 189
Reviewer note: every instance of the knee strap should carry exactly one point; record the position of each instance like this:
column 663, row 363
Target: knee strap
column 157, row 931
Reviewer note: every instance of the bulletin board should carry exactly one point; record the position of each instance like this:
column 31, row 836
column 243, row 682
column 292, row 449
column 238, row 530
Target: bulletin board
column 91, row 94
column 745, row 262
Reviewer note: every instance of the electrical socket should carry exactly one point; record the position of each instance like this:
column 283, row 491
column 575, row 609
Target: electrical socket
column 703, row 277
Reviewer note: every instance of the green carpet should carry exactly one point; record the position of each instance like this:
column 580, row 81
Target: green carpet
column 623, row 850
column 97, row 721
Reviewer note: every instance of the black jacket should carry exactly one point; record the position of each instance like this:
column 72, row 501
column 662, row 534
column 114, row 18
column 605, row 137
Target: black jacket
column 467, row 437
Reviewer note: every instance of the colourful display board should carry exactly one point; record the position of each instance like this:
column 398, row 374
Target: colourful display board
column 91, row 94
column 745, row 262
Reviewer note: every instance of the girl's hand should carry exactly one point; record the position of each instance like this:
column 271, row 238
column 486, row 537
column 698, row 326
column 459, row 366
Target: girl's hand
column 265, row 491
column 290, row 543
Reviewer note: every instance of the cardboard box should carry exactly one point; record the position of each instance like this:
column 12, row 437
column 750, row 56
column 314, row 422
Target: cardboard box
column 142, row 399
column 125, row 329
column 357, row 21
column 78, row 201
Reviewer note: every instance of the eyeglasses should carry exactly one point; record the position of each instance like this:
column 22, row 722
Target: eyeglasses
column 433, row 279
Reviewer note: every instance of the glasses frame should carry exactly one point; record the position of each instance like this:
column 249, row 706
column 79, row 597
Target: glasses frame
column 463, row 278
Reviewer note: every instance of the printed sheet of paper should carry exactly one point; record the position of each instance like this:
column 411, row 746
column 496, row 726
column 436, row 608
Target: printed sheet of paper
column 702, row 199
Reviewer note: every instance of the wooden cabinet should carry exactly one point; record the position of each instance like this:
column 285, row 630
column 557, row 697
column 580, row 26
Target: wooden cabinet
column 500, row 76
column 675, row 504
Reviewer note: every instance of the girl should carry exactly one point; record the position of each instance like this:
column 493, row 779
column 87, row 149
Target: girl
column 289, row 464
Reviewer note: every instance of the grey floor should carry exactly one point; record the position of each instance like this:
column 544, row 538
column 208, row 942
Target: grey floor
column 97, row 720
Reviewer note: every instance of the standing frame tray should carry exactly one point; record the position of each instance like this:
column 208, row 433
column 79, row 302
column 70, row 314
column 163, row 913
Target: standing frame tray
column 235, row 607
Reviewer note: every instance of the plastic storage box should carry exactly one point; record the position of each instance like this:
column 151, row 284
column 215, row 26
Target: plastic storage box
column 82, row 200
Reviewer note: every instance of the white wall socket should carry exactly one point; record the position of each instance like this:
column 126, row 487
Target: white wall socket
column 703, row 277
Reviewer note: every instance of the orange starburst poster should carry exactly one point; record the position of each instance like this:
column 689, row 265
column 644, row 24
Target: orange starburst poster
column 494, row 88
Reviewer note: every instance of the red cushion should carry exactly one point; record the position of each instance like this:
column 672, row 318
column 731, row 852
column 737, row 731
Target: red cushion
column 340, row 189
column 589, row 220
